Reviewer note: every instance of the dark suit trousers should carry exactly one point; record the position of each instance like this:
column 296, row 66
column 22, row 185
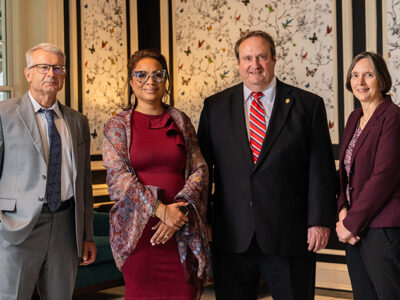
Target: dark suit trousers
column 374, row 265
column 237, row 275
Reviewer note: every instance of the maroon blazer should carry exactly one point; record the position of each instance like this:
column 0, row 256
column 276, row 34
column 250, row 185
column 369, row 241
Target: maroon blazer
column 375, row 170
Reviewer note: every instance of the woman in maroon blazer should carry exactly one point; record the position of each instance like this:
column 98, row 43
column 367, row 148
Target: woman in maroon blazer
column 369, row 173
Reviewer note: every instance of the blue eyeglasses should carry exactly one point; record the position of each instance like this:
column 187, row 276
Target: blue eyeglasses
column 157, row 76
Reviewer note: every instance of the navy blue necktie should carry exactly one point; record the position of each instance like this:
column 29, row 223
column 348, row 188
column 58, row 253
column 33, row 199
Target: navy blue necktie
column 53, row 189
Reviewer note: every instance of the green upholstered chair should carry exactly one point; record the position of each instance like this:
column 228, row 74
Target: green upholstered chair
column 102, row 273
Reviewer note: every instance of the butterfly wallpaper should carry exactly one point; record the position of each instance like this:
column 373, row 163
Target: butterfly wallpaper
column 393, row 46
column 207, row 30
column 104, row 60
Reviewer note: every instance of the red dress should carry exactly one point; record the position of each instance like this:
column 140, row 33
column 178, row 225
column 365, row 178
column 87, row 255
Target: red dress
column 159, row 159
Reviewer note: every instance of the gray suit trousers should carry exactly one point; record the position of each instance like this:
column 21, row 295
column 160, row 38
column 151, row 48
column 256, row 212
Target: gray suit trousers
column 47, row 258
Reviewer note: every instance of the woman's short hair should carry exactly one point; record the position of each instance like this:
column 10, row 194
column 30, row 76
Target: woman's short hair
column 380, row 69
column 259, row 33
column 43, row 46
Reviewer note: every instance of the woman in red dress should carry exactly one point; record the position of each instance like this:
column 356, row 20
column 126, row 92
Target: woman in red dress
column 159, row 182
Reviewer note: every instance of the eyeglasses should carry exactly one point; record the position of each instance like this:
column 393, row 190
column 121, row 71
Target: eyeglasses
column 45, row 68
column 157, row 76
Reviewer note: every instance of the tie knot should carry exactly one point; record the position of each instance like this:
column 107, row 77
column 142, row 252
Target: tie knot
column 257, row 95
column 48, row 114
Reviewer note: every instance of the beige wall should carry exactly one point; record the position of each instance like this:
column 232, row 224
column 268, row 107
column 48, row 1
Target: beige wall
column 32, row 22
column 28, row 27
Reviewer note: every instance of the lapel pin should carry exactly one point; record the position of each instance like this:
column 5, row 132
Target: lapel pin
column 287, row 100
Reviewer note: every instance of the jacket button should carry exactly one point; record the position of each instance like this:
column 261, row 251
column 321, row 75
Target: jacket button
column 251, row 203
column 41, row 199
column 351, row 189
column 44, row 177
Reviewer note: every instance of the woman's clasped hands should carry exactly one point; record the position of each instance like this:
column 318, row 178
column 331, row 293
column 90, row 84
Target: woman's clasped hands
column 171, row 220
column 344, row 235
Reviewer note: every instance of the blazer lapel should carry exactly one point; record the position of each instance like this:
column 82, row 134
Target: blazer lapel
column 238, row 122
column 73, row 133
column 373, row 122
column 348, row 134
column 282, row 105
column 27, row 116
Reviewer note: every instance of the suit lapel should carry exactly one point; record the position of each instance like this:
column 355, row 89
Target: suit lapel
column 238, row 122
column 282, row 105
column 27, row 116
column 73, row 133
column 350, row 128
column 373, row 122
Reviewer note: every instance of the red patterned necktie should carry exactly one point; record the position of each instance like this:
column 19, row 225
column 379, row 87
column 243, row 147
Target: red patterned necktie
column 257, row 125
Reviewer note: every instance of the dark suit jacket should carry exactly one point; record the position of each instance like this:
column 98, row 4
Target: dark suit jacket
column 292, row 185
column 375, row 170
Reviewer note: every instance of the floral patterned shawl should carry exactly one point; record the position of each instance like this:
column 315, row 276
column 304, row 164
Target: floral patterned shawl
column 134, row 202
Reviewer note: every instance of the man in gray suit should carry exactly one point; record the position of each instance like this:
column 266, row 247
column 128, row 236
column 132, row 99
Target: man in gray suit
column 46, row 211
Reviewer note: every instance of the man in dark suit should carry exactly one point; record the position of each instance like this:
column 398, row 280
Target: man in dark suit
column 46, row 207
column 268, row 148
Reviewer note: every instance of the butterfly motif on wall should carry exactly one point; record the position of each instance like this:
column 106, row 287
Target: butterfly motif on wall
column 223, row 75
column 307, row 85
column 270, row 8
column 92, row 50
column 303, row 56
column 328, row 29
column 238, row 18
column 209, row 28
column 188, row 51
column 200, row 44
column 181, row 10
column 331, row 124
column 209, row 59
column 245, row 2
column 310, row 72
column 183, row 1
column 180, row 67
column 103, row 44
column 286, row 24
column 94, row 134
column 185, row 81
column 90, row 79
column 86, row 63
column 112, row 30
column 243, row 32
column 112, row 61
column 313, row 38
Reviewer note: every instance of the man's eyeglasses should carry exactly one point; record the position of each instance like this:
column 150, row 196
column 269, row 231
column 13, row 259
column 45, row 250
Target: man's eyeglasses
column 45, row 68
column 157, row 76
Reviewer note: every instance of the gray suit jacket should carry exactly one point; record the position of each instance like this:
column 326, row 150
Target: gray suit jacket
column 23, row 171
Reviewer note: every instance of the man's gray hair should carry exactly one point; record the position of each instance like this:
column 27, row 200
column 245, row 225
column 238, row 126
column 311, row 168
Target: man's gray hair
column 42, row 46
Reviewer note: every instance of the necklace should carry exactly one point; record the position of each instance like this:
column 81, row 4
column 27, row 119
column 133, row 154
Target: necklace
column 363, row 122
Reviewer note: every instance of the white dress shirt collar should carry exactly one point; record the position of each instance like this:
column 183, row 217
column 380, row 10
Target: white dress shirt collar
column 269, row 92
column 37, row 107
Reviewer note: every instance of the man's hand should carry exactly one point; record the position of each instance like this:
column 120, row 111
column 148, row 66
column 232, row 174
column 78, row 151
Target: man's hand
column 89, row 253
column 317, row 238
